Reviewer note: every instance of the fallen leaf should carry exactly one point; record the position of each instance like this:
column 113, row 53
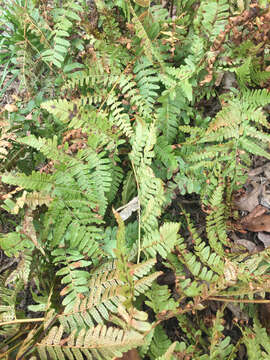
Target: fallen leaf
column 267, row 170
column 237, row 311
column 130, row 355
column 264, row 315
column 257, row 220
column 29, row 117
column 249, row 200
column 249, row 245
column 264, row 198
column 257, row 171
column 11, row 108
column 264, row 238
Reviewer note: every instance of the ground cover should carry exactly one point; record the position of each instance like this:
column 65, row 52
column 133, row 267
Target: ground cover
column 134, row 156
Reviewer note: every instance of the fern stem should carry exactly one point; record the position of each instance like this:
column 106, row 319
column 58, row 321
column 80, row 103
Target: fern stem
column 248, row 301
column 139, row 215
column 20, row 321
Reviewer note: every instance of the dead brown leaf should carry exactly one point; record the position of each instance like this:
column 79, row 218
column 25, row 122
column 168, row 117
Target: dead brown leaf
column 249, row 200
column 257, row 220
column 130, row 355
column 264, row 315
column 264, row 238
column 249, row 245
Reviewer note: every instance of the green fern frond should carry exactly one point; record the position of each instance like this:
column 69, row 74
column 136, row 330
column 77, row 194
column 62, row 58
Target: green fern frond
column 159, row 344
column 73, row 278
column 162, row 241
column 207, row 255
column 147, row 79
column 256, row 98
column 168, row 117
column 220, row 346
column 256, row 341
column 211, row 18
column 216, row 221
column 35, row 181
column 118, row 117
column 64, row 21
column 149, row 49
column 160, row 299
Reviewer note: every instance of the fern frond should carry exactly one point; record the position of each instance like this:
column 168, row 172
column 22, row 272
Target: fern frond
column 160, row 299
column 212, row 17
column 98, row 342
column 59, row 49
column 159, row 344
column 35, row 181
column 161, row 242
column 74, row 278
column 256, row 98
column 168, row 118
column 118, row 116
column 256, row 341
column 220, row 346
column 147, row 80
column 148, row 48
column 216, row 221
column 207, row 255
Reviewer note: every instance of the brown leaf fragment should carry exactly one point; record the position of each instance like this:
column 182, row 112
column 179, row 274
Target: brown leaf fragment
column 130, row 355
column 257, row 211
column 249, row 245
column 250, row 200
column 264, row 315
column 264, row 238
column 257, row 220
column 265, row 196
column 257, row 171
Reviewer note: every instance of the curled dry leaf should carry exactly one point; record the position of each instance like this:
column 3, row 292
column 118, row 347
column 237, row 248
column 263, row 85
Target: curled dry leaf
column 230, row 272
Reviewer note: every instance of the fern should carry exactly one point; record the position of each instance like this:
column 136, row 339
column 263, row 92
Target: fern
column 228, row 127
column 125, row 118
column 160, row 299
column 100, row 341
column 64, row 18
column 211, row 18
column 256, row 341
column 159, row 344
column 220, row 347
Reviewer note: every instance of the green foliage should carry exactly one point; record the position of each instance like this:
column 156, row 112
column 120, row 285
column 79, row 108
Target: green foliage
column 118, row 120
column 257, row 341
